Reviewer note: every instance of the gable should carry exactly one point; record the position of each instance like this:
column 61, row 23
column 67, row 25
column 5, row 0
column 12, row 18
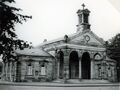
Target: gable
column 87, row 38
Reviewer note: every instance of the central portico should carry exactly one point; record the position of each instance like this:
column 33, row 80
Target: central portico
column 73, row 66
column 76, row 64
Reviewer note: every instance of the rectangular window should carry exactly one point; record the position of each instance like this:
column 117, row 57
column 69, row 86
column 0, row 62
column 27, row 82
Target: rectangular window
column 29, row 70
column 43, row 70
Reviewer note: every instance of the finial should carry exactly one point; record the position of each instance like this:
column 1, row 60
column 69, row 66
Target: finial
column 83, row 5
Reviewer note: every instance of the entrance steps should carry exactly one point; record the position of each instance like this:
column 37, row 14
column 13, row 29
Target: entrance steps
column 87, row 81
column 82, row 81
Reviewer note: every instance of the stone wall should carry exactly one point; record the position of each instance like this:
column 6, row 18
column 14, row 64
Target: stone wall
column 18, row 71
column 41, row 70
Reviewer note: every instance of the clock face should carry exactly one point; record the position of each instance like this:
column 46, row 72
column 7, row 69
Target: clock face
column 87, row 38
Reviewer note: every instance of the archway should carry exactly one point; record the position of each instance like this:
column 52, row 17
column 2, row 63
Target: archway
column 61, row 64
column 73, row 65
column 86, row 66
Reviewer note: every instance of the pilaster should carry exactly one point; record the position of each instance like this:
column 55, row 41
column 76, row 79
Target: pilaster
column 58, row 69
column 80, row 74
column 6, row 71
column 66, row 64
column 92, row 69
column 10, row 75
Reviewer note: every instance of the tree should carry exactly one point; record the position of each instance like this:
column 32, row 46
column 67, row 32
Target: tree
column 9, row 17
column 113, row 51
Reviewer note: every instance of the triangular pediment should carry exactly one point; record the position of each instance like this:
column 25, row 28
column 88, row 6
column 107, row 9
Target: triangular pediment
column 86, row 38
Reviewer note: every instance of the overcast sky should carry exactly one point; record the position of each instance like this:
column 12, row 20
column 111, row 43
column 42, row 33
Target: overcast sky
column 55, row 18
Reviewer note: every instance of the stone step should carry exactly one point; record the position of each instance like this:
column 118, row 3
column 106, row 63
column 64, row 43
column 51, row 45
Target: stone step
column 77, row 81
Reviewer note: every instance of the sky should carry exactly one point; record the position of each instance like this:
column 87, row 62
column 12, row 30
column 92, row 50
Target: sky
column 52, row 19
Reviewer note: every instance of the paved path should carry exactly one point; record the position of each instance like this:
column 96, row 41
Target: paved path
column 57, row 86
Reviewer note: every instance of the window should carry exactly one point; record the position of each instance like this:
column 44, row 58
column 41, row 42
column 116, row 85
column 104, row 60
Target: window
column 29, row 69
column 36, row 73
column 85, row 18
column 99, row 71
column 80, row 18
column 43, row 70
column 109, row 71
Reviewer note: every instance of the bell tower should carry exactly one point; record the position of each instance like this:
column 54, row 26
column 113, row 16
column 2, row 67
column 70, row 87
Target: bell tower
column 83, row 17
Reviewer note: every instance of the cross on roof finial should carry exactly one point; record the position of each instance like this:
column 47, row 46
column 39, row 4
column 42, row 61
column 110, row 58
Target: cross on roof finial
column 83, row 5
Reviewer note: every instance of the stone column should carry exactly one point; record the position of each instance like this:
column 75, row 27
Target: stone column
column 10, row 71
column 3, row 71
column 80, row 73
column 6, row 71
column 66, row 66
column 58, row 69
column 92, row 69
column 18, row 71
column 14, row 69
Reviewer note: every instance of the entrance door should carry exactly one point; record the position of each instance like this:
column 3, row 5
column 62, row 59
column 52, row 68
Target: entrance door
column 73, row 65
column 86, row 66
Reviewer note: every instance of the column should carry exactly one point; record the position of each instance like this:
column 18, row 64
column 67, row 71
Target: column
column 58, row 69
column 3, row 71
column 18, row 71
column 14, row 71
column 80, row 74
column 6, row 71
column 66, row 66
column 10, row 75
column 92, row 69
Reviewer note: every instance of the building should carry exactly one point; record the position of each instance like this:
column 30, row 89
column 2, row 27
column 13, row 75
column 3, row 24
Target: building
column 80, row 56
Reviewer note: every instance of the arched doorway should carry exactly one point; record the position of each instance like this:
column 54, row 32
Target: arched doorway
column 73, row 65
column 86, row 66
column 61, row 64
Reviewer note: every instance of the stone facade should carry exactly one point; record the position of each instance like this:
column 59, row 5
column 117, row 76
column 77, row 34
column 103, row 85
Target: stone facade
column 30, row 68
column 80, row 56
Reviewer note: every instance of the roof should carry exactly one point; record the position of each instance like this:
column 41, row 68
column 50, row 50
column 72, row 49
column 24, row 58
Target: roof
column 80, row 47
column 74, row 35
column 56, row 40
column 32, row 52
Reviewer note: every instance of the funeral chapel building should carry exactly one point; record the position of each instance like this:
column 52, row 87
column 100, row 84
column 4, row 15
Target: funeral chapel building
column 80, row 56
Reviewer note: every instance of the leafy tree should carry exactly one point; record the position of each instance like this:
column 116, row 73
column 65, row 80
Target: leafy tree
column 9, row 17
column 113, row 51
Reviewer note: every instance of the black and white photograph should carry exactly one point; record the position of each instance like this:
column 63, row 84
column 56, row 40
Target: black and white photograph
column 59, row 44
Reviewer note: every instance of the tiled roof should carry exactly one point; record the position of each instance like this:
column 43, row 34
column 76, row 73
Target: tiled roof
column 32, row 52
